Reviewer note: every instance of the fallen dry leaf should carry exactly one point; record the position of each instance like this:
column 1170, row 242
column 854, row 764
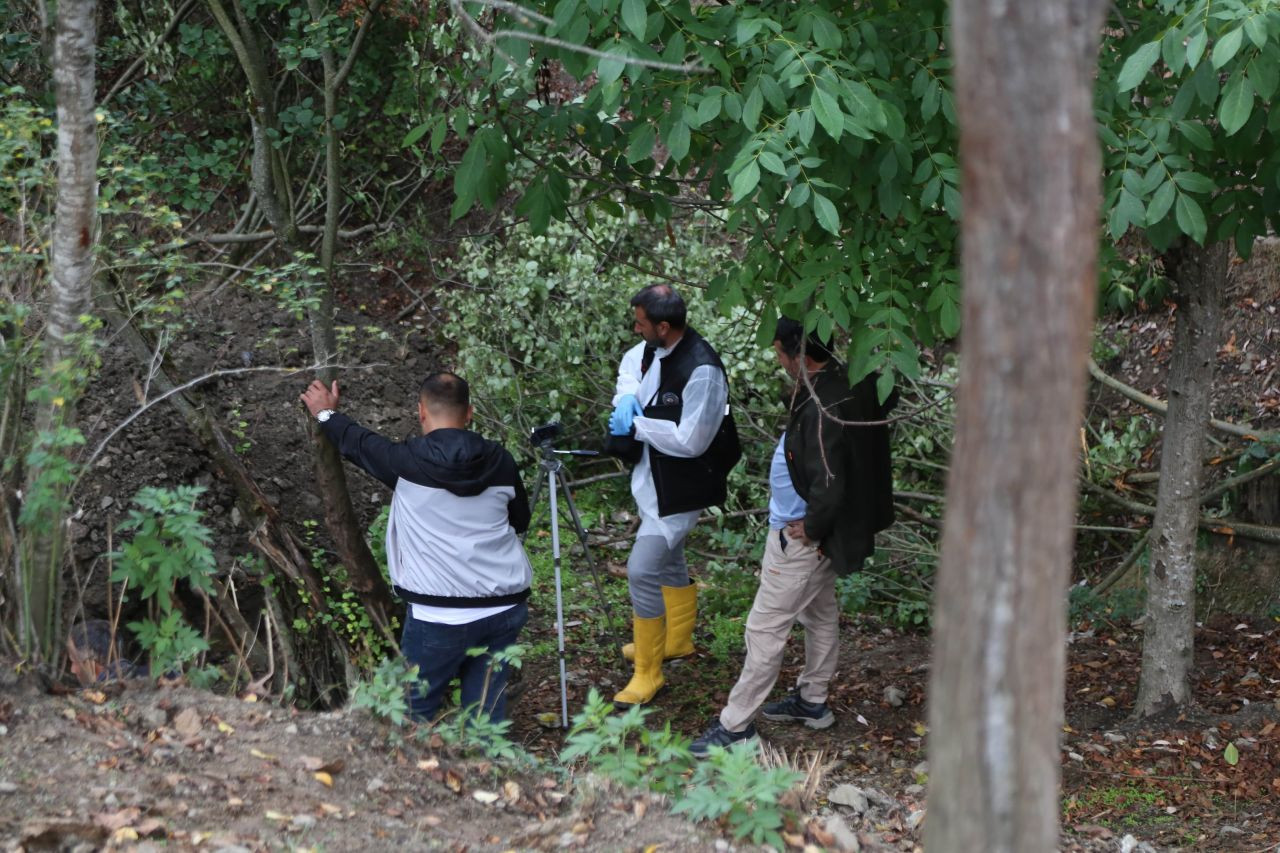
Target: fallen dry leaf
column 639, row 808
column 123, row 834
column 429, row 764
column 323, row 778
column 115, row 820
column 265, row 756
column 431, row 820
column 454, row 781
column 274, row 815
column 225, row 728
column 511, row 791
column 485, row 797
column 330, row 808
column 793, row 839
column 150, row 827
column 97, row 697
column 187, row 723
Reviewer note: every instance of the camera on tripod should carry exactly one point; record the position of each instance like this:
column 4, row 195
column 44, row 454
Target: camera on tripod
column 545, row 435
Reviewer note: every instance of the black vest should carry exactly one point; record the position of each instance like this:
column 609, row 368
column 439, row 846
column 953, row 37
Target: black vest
column 687, row 484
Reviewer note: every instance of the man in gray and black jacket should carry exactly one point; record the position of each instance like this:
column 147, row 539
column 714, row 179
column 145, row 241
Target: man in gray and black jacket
column 452, row 539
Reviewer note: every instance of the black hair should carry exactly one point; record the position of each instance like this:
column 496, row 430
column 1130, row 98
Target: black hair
column 661, row 304
column 788, row 334
column 445, row 391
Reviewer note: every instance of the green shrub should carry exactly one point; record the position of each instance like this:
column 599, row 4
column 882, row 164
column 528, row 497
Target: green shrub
column 385, row 694
column 169, row 544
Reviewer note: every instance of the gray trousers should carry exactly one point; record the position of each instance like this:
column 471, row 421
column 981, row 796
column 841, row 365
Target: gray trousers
column 652, row 565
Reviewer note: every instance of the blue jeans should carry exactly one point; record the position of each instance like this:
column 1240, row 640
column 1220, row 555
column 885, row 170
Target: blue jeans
column 440, row 652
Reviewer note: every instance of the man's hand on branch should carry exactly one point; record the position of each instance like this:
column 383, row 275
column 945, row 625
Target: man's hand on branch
column 319, row 397
column 624, row 414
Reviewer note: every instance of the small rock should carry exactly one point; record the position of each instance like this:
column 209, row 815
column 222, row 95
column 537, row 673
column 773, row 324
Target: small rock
column 7, row 788
column 1230, row 830
column 913, row 790
column 291, row 729
column 845, row 839
column 375, row 784
column 4, row 730
column 722, row 845
column 850, row 796
column 894, row 695
column 1075, row 756
column 235, row 516
column 921, row 769
column 1129, row 844
column 302, row 821
column 915, row 819
column 111, row 801
column 152, row 717
column 106, row 502
column 1112, row 737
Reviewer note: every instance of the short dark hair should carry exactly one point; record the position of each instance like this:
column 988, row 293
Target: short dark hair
column 445, row 392
column 788, row 334
column 661, row 304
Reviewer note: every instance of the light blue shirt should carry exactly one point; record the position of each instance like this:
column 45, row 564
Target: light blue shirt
column 784, row 504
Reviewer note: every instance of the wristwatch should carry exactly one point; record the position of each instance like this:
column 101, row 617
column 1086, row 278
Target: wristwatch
column 324, row 415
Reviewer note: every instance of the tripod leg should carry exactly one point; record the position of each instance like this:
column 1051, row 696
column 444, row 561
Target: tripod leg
column 610, row 628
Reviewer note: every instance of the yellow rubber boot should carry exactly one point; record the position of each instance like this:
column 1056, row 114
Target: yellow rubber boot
column 650, row 637
column 682, row 612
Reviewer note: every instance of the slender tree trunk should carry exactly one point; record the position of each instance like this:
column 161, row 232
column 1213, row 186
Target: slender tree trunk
column 70, row 280
column 1199, row 275
column 1031, row 164
column 270, row 179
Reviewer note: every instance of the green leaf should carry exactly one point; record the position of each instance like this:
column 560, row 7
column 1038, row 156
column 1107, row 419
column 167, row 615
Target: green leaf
column 949, row 318
column 610, row 69
column 825, row 212
column 1161, row 201
column 416, row 134
column 1194, row 182
column 1237, row 104
column 1190, row 217
column 642, row 139
column 1264, row 73
column 772, row 162
column 827, row 110
column 1196, row 134
column 745, row 181
column 751, row 108
column 1227, row 47
column 1195, row 47
column 1137, row 66
column 635, row 18
column 1255, row 27
column 678, row 140
column 709, row 107
column 1128, row 211
column 1231, row 754
column 799, row 195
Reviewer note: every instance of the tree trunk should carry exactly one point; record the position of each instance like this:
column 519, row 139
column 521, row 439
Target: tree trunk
column 1031, row 165
column 1199, row 275
column 70, row 277
column 270, row 185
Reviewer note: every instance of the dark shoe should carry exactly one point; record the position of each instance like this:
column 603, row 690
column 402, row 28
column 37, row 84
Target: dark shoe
column 793, row 709
column 718, row 735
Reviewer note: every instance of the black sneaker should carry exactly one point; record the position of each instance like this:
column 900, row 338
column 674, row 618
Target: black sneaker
column 793, row 709
column 718, row 735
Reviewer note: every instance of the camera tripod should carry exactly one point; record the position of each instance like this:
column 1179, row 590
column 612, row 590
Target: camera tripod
column 553, row 469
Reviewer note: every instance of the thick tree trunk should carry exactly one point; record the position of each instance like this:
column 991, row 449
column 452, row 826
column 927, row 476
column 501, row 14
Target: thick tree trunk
column 1199, row 275
column 1031, row 164
column 71, row 278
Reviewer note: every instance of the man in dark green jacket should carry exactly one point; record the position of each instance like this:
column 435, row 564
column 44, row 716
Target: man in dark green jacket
column 831, row 491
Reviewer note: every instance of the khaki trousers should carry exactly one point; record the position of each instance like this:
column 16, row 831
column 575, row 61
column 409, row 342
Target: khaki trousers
column 797, row 584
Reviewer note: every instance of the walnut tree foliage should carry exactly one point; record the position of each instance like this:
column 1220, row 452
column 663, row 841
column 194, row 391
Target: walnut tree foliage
column 822, row 134
column 1191, row 144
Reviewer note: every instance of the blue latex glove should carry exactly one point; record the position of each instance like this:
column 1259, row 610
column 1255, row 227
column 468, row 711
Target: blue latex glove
column 624, row 414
